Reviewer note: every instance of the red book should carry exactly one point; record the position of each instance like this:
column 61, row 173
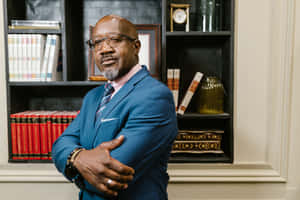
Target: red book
column 19, row 136
column 49, row 134
column 65, row 120
column 24, row 135
column 30, row 135
column 43, row 136
column 59, row 125
column 13, row 132
column 36, row 136
column 54, row 127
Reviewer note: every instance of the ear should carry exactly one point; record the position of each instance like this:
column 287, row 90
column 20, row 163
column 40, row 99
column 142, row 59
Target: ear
column 137, row 46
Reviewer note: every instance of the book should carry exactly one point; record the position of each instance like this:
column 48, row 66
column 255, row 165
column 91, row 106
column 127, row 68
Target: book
column 190, row 92
column 44, row 68
column 13, row 132
column 52, row 74
column 33, row 133
column 36, row 136
column 176, row 87
column 170, row 78
column 207, row 146
column 34, row 24
column 196, row 135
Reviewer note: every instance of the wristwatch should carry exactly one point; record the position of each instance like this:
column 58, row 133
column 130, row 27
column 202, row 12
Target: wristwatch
column 71, row 170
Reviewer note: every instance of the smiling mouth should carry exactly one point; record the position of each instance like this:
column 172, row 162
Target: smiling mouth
column 108, row 61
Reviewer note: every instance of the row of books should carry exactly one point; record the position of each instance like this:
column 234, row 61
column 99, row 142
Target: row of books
column 173, row 76
column 34, row 132
column 198, row 141
column 34, row 24
column 34, row 57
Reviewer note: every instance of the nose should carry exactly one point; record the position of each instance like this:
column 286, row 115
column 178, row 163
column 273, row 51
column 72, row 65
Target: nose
column 105, row 47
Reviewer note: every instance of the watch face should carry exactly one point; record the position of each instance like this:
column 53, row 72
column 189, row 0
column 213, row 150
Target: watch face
column 179, row 16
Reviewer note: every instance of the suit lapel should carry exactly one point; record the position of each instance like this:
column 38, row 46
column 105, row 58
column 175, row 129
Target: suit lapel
column 122, row 93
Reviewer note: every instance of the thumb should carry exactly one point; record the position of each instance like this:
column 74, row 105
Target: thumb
column 112, row 144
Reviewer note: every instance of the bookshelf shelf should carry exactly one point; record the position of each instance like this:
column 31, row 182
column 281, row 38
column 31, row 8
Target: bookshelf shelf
column 57, row 83
column 204, row 116
column 34, row 31
column 197, row 33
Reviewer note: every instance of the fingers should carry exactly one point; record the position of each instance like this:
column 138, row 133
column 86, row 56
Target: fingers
column 112, row 144
column 120, row 167
column 122, row 178
column 114, row 185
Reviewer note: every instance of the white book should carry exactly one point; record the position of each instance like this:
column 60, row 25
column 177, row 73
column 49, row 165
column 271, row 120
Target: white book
column 53, row 58
column 38, row 53
column 176, row 86
column 19, row 58
column 41, row 42
column 44, row 68
column 189, row 93
column 34, row 58
column 29, row 57
column 13, row 66
column 24, row 66
column 10, row 44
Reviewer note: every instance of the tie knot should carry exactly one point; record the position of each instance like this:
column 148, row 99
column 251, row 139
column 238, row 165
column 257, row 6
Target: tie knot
column 109, row 89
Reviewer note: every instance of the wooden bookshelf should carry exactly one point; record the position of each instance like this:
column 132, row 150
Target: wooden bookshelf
column 207, row 52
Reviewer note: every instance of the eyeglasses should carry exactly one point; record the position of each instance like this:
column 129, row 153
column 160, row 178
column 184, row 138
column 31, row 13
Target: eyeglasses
column 112, row 40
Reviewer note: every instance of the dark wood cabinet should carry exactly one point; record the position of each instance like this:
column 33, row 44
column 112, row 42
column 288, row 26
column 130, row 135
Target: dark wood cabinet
column 208, row 52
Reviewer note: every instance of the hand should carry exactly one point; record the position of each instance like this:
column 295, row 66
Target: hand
column 97, row 167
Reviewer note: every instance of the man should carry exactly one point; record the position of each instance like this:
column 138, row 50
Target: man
column 119, row 144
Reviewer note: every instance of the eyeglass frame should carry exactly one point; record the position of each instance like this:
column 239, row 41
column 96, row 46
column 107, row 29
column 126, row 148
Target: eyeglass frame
column 92, row 43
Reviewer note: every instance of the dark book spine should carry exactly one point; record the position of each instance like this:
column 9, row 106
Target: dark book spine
column 13, row 132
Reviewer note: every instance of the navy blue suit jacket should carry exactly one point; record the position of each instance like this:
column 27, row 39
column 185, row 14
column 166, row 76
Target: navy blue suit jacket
column 143, row 111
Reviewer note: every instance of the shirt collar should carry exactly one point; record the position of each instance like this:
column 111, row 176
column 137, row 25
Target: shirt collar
column 118, row 84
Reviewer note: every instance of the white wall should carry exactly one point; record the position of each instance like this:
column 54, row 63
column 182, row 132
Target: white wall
column 266, row 123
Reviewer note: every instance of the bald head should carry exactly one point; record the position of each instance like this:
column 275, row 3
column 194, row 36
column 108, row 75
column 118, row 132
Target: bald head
column 116, row 24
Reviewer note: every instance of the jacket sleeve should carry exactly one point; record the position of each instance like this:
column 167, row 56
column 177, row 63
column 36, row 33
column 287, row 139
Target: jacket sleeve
column 66, row 143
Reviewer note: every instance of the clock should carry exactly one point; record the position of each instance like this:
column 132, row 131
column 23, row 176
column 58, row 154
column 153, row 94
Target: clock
column 179, row 14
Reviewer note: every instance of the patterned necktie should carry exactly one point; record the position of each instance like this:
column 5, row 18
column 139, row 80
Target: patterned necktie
column 108, row 90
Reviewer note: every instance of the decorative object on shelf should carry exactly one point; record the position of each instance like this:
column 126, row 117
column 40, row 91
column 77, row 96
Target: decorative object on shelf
column 211, row 96
column 149, row 55
column 206, row 16
column 179, row 14
column 198, row 141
